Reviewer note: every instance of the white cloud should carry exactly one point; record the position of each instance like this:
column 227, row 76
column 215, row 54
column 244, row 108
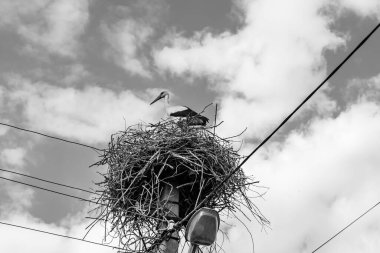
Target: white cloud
column 38, row 242
column 264, row 69
column 363, row 7
column 74, row 74
column 320, row 179
column 15, row 210
column 53, row 25
column 90, row 114
column 13, row 156
column 14, row 11
column 18, row 198
column 359, row 89
column 13, row 197
column 127, row 39
column 3, row 130
column 131, row 29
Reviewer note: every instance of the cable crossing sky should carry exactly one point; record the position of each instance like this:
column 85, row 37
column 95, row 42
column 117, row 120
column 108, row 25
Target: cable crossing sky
column 282, row 123
column 227, row 177
column 50, row 136
column 349, row 225
column 60, row 235
column 46, row 189
column 48, row 181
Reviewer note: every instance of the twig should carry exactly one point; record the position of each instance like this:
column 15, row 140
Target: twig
column 205, row 108
column 145, row 157
column 216, row 112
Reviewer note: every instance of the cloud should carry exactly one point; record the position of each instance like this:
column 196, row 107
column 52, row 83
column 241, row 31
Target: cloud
column 265, row 68
column 13, row 156
column 16, row 204
column 52, row 25
column 72, row 225
column 320, row 178
column 362, row 8
column 15, row 11
column 13, row 197
column 90, row 114
column 74, row 74
column 131, row 29
column 127, row 39
column 3, row 130
column 359, row 89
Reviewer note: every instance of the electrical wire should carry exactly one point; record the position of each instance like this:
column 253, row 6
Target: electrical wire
column 50, row 136
column 60, row 235
column 45, row 189
column 48, row 181
column 340, row 231
column 280, row 125
column 225, row 179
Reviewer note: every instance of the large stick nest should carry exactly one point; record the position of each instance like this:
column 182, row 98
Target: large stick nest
column 144, row 160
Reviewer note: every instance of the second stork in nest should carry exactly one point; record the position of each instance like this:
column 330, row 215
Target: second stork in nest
column 194, row 118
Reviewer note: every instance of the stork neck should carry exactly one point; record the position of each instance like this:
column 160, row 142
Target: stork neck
column 166, row 99
column 166, row 103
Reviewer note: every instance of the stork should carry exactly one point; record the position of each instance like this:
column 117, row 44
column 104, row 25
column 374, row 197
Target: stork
column 181, row 111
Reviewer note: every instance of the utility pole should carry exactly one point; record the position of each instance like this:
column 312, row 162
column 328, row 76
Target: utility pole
column 170, row 199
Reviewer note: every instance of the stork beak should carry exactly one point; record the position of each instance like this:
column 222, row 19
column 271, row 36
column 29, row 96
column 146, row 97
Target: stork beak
column 157, row 98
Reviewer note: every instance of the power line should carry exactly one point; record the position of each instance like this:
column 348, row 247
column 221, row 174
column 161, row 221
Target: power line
column 60, row 235
column 378, row 203
column 57, row 192
column 48, row 181
column 280, row 125
column 229, row 175
column 45, row 189
column 50, row 136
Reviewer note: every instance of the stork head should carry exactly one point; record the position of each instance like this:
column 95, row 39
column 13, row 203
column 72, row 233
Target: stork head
column 162, row 95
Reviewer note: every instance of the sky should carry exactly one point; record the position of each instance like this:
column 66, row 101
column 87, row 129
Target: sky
column 84, row 69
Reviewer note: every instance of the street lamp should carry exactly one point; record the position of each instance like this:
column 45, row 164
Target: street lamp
column 202, row 228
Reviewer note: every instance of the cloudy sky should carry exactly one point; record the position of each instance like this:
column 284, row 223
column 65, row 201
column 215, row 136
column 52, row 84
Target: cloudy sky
column 84, row 69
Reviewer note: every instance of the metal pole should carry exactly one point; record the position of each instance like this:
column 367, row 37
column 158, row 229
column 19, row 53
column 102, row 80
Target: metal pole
column 170, row 198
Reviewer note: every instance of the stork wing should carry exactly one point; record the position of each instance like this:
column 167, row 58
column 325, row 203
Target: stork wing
column 182, row 111
column 198, row 120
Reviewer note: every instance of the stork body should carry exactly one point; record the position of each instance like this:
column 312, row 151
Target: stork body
column 181, row 111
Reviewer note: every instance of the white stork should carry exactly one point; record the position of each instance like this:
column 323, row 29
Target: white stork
column 181, row 111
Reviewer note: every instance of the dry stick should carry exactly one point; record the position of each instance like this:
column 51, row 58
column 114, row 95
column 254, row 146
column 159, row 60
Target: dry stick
column 253, row 243
column 280, row 125
column 188, row 158
column 141, row 236
column 231, row 137
column 216, row 112
column 205, row 108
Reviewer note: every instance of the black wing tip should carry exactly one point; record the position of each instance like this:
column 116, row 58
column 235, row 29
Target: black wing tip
column 204, row 119
column 197, row 120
